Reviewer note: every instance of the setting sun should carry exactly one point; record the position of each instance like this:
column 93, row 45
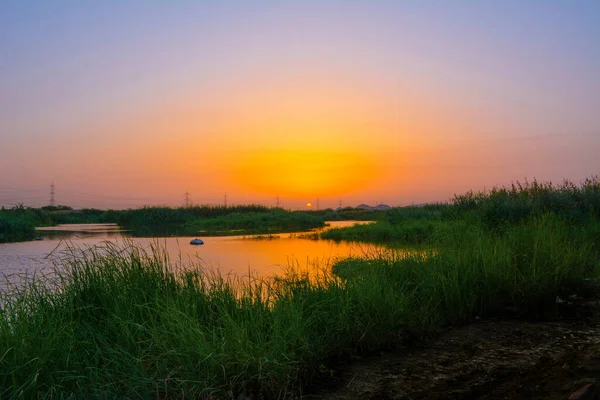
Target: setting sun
column 308, row 205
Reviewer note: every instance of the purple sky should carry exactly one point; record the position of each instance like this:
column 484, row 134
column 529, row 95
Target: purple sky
column 125, row 103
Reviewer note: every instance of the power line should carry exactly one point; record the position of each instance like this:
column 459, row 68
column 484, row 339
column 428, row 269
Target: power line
column 225, row 199
column 52, row 200
column 187, row 199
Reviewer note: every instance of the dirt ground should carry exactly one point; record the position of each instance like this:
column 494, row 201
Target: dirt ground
column 489, row 359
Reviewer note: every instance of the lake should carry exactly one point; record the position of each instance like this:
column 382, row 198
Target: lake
column 262, row 255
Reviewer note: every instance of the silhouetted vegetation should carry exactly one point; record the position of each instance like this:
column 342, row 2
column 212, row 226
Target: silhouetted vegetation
column 162, row 221
column 18, row 223
column 85, row 216
column 502, row 207
column 15, row 230
column 219, row 220
column 495, row 211
column 413, row 232
column 350, row 214
column 274, row 221
column 57, row 208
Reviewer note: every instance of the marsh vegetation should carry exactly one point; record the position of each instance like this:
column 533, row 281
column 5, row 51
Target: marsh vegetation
column 123, row 322
column 18, row 223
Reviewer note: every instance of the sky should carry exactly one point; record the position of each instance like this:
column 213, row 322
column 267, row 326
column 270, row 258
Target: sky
column 130, row 103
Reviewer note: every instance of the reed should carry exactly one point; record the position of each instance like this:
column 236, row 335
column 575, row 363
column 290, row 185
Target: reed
column 495, row 210
column 273, row 221
column 127, row 322
column 18, row 223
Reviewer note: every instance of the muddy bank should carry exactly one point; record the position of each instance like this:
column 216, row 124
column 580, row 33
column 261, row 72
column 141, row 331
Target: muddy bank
column 491, row 359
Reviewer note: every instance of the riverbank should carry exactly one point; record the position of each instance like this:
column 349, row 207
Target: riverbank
column 487, row 359
column 19, row 223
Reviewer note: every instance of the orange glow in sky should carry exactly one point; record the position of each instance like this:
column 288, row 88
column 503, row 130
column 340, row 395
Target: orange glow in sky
column 304, row 173
column 124, row 104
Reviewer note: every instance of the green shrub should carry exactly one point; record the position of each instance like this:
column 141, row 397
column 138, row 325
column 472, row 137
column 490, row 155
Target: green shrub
column 15, row 230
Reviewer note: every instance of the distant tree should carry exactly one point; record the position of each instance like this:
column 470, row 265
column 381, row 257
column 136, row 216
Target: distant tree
column 56, row 208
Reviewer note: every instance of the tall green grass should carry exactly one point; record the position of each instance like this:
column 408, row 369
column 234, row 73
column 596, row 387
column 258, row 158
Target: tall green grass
column 15, row 230
column 473, row 272
column 503, row 206
column 123, row 322
column 159, row 216
column 276, row 220
column 349, row 214
column 158, row 221
column 18, row 223
column 496, row 211
column 413, row 232
column 84, row 216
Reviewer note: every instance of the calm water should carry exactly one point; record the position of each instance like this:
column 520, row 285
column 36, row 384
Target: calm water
column 233, row 254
